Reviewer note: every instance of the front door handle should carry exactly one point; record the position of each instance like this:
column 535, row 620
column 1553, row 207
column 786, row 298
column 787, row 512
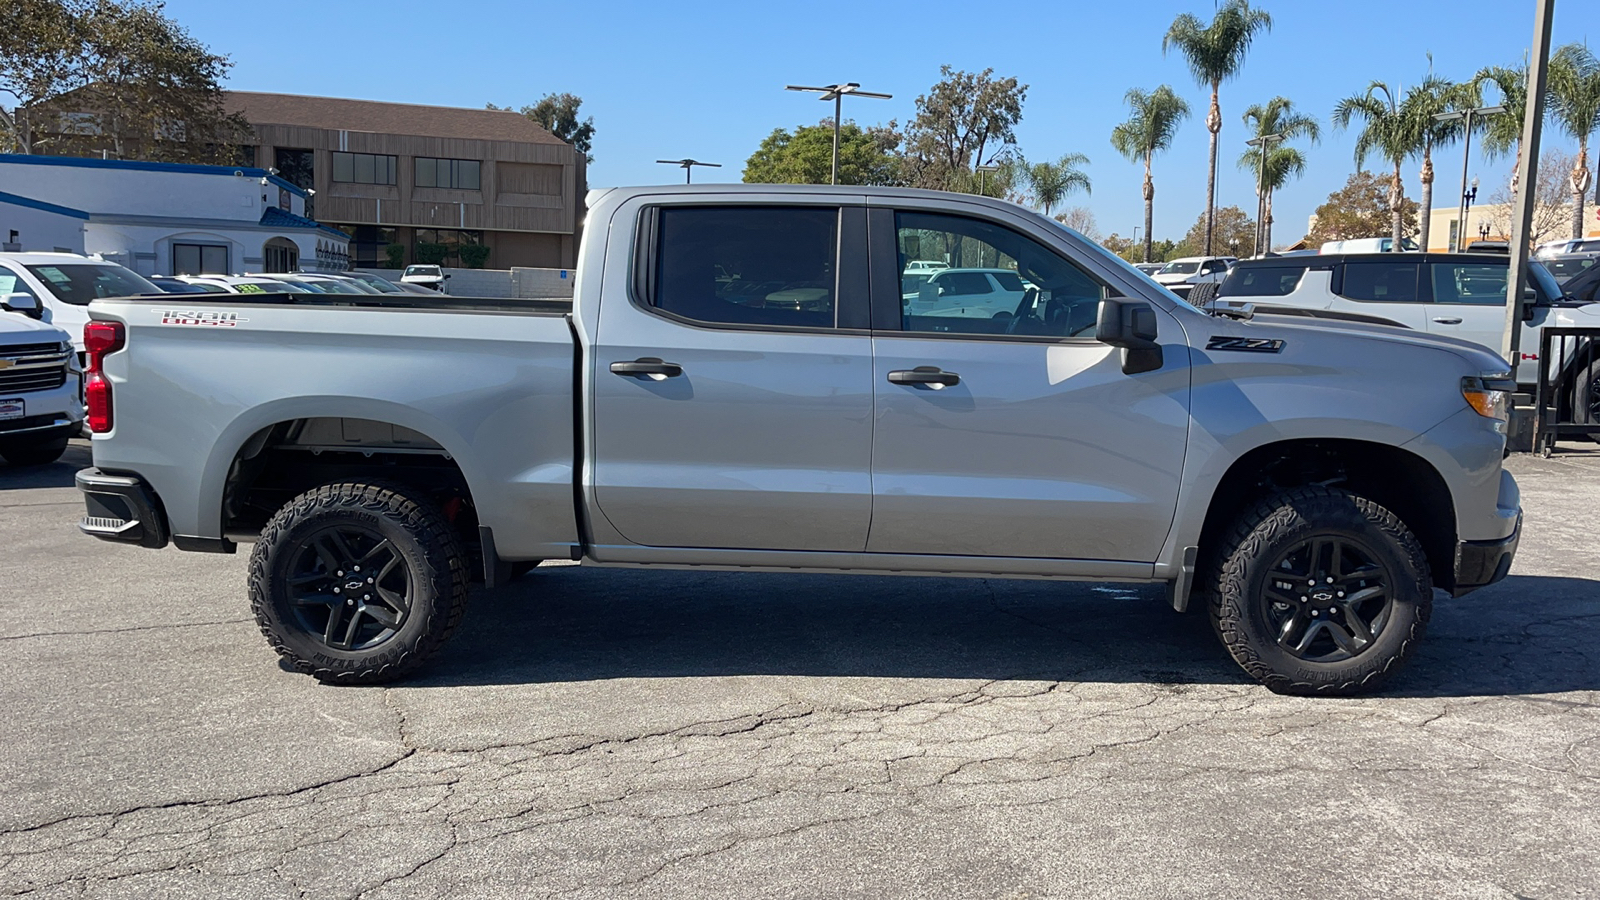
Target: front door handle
column 652, row 367
column 1448, row 320
column 932, row 376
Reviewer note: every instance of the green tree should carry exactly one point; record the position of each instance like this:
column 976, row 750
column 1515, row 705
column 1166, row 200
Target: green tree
column 1215, row 53
column 1276, row 116
column 957, row 122
column 1388, row 131
column 1232, row 230
column 1051, row 182
column 805, row 156
column 558, row 114
column 1433, row 96
column 41, row 58
column 1359, row 209
column 1153, row 120
column 1502, row 132
column 1575, row 106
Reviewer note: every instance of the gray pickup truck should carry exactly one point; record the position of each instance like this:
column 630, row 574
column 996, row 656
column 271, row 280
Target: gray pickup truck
column 741, row 383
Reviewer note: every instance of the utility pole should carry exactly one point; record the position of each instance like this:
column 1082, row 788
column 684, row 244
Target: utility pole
column 688, row 166
column 1264, row 141
column 1463, row 204
column 1527, row 173
column 836, row 92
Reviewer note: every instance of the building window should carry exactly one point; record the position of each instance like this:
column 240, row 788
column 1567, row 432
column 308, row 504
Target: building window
column 363, row 168
column 368, row 244
column 442, row 246
column 199, row 259
column 298, row 167
column 280, row 255
column 461, row 174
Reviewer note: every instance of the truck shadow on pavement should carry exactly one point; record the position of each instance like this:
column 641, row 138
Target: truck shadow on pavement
column 1527, row 635
column 57, row 474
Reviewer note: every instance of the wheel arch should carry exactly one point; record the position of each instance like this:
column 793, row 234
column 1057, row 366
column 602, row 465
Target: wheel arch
column 1393, row 477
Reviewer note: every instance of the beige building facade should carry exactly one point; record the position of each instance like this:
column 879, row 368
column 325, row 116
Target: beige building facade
column 425, row 177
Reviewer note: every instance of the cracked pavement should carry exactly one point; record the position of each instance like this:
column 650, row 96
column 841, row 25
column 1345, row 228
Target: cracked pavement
column 611, row 733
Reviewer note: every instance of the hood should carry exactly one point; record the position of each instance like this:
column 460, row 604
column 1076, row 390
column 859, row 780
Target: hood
column 16, row 328
column 1475, row 355
column 1172, row 278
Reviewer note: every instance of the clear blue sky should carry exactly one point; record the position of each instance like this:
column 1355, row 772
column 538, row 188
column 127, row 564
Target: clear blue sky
column 666, row 80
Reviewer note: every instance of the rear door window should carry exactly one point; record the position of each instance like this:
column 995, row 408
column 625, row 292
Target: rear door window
column 747, row 265
column 1380, row 282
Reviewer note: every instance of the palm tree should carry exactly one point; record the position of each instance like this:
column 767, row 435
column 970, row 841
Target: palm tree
column 1575, row 105
column 1502, row 133
column 1215, row 53
column 1276, row 116
column 1053, row 181
column 1433, row 96
column 1154, row 120
column 1389, row 132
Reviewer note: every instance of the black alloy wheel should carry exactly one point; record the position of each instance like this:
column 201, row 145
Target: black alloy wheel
column 350, row 585
column 1328, row 598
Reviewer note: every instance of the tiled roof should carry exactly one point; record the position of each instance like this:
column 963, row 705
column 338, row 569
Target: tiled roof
column 278, row 218
column 386, row 118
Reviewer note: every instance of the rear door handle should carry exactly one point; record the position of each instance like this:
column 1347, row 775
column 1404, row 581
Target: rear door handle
column 652, row 367
column 1448, row 320
column 932, row 376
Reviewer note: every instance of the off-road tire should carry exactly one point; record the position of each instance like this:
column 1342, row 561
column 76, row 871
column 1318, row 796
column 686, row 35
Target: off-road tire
column 1586, row 396
column 1239, row 606
column 1203, row 294
column 36, row 454
column 432, row 553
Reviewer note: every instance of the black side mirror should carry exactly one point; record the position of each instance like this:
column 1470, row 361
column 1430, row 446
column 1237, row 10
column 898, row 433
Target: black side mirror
column 1131, row 325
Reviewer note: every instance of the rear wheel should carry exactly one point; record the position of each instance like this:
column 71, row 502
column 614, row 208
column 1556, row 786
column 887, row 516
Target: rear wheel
column 1586, row 397
column 1321, row 592
column 34, row 454
column 357, row 583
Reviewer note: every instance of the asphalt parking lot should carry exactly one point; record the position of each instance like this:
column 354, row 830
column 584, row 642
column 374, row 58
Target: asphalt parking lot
column 597, row 733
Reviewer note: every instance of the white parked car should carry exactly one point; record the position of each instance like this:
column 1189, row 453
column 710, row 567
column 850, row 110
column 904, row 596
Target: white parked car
column 1181, row 275
column 316, row 283
column 243, row 284
column 64, row 283
column 965, row 292
column 41, row 404
column 1369, row 245
column 427, row 276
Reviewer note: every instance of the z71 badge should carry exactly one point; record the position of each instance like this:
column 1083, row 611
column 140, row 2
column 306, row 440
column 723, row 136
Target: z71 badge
column 1246, row 345
column 199, row 317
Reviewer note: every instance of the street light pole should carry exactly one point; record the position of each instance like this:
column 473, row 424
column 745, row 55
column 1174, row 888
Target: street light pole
column 1462, row 206
column 1527, row 175
column 836, row 92
column 688, row 166
column 1264, row 141
column 983, row 177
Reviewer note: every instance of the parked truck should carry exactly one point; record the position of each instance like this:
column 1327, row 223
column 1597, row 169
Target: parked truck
column 740, row 384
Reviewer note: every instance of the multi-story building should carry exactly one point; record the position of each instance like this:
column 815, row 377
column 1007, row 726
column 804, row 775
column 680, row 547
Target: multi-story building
column 424, row 176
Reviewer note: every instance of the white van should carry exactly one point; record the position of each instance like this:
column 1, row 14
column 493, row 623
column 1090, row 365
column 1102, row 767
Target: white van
column 62, row 284
column 1368, row 245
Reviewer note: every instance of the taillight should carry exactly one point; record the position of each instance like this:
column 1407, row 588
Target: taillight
column 99, row 339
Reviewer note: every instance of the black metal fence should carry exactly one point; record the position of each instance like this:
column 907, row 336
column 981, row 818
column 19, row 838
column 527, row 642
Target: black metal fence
column 1568, row 397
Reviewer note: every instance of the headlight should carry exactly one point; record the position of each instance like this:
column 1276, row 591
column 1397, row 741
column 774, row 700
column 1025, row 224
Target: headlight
column 1489, row 396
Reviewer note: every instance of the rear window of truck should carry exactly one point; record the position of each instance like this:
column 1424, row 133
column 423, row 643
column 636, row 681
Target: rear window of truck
column 747, row 265
column 1262, row 281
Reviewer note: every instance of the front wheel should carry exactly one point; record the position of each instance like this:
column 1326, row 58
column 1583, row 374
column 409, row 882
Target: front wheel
column 357, row 583
column 1321, row 592
column 1586, row 397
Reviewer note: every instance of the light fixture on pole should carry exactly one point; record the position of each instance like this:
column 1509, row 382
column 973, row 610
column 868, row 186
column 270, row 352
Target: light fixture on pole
column 1467, row 198
column 836, row 92
column 1466, row 160
column 1264, row 142
column 983, row 177
column 688, row 166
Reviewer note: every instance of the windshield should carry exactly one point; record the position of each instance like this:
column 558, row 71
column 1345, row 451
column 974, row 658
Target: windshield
column 381, row 285
column 1549, row 289
column 338, row 287
column 78, row 283
column 422, row 270
column 181, row 287
column 268, row 287
column 1180, row 268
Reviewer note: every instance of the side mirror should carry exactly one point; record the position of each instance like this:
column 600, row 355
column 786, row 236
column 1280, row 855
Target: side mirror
column 1530, row 299
column 1131, row 325
column 26, row 304
column 447, row 276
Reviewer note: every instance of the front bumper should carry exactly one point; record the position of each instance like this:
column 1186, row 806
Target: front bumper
column 1482, row 563
column 121, row 508
column 39, row 429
